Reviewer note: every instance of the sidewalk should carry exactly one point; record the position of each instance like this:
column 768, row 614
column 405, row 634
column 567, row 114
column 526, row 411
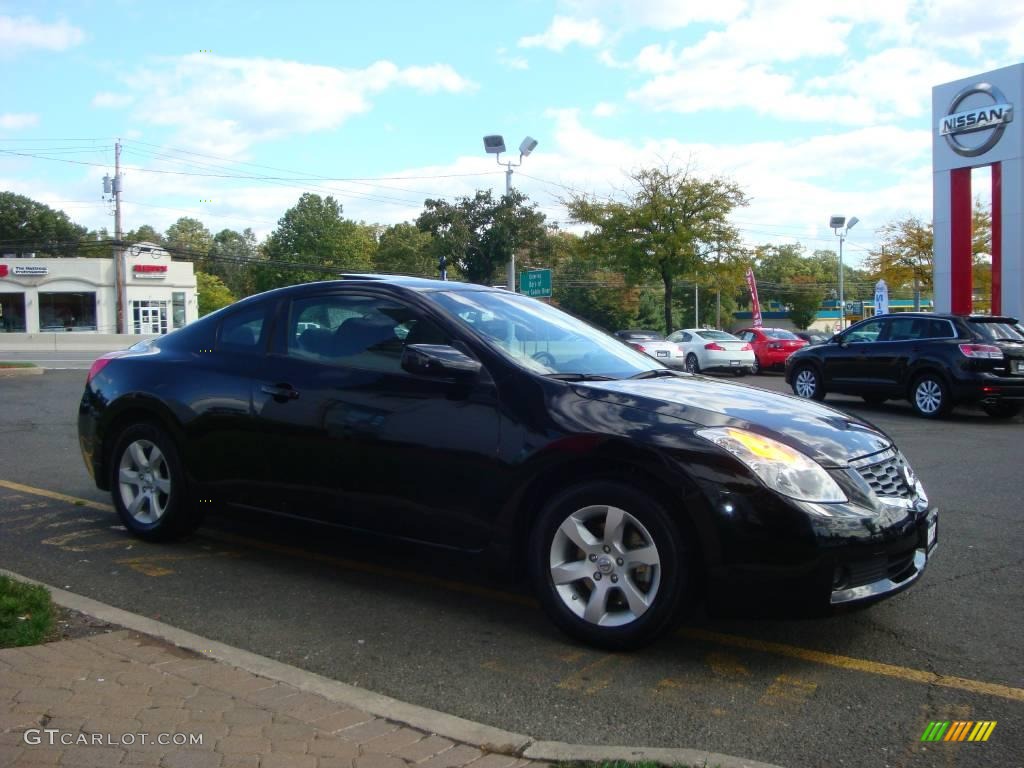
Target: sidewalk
column 123, row 684
column 148, row 693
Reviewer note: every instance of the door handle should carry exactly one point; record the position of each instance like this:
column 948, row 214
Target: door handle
column 281, row 392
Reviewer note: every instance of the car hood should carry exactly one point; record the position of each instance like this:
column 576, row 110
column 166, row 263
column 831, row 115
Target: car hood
column 828, row 436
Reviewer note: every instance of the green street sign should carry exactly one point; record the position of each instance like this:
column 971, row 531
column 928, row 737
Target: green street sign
column 535, row 282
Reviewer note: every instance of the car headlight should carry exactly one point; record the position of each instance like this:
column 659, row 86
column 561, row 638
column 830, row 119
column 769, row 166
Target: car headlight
column 778, row 466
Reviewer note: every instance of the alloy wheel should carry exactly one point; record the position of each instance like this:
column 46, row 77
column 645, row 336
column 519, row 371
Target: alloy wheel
column 691, row 363
column 605, row 566
column 928, row 396
column 144, row 481
column 806, row 383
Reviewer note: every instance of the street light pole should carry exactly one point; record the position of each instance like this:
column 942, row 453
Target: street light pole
column 838, row 223
column 495, row 145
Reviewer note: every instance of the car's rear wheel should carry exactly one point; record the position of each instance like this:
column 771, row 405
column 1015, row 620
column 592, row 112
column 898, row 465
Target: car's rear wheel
column 609, row 565
column 929, row 396
column 148, row 485
column 739, row 372
column 692, row 364
column 1003, row 410
column 755, row 367
column 807, row 383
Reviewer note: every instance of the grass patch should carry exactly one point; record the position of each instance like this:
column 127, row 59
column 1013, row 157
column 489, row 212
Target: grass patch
column 26, row 614
column 4, row 364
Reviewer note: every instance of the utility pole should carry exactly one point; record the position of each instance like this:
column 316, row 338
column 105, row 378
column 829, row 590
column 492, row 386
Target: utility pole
column 696, row 305
column 112, row 186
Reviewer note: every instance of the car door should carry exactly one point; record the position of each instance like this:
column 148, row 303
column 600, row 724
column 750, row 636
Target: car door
column 223, row 451
column 361, row 442
column 850, row 365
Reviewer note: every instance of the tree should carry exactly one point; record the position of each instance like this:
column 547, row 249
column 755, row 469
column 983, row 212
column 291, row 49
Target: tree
column 145, row 234
column 189, row 238
column 666, row 228
column 213, row 294
column 405, row 250
column 232, row 257
column 479, row 234
column 904, row 256
column 27, row 226
column 314, row 242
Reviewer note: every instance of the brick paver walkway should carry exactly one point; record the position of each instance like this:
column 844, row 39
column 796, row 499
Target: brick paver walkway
column 82, row 703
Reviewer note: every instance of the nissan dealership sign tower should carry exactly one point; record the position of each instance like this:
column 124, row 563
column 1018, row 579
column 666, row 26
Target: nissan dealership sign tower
column 974, row 125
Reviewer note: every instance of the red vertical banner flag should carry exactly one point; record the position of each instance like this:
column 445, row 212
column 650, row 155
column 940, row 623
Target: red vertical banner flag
column 755, row 304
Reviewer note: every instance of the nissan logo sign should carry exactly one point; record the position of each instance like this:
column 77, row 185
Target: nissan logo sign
column 992, row 117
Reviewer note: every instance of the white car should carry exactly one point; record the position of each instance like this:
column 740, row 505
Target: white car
column 652, row 343
column 705, row 349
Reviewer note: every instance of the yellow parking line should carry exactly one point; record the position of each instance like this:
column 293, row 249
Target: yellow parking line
column 735, row 641
column 858, row 665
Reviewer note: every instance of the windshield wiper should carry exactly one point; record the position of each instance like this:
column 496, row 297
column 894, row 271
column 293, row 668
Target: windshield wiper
column 579, row 377
column 655, row 373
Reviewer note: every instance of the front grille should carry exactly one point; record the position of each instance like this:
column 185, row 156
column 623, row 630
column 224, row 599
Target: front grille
column 897, row 568
column 886, row 477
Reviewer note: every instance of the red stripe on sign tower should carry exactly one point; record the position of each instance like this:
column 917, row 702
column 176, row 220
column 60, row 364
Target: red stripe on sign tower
column 755, row 304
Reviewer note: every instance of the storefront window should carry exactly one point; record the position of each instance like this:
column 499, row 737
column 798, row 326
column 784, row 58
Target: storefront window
column 178, row 309
column 67, row 311
column 12, row 312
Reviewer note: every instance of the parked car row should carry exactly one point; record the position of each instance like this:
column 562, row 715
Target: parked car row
column 750, row 350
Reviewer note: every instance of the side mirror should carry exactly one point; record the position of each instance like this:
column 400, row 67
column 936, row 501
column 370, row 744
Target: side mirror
column 837, row 339
column 439, row 360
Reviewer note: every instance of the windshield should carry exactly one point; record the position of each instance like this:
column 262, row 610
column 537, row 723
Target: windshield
column 541, row 338
column 998, row 331
column 777, row 333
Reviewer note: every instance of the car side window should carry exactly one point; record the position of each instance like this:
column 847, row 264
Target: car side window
column 747, row 336
column 940, row 329
column 242, row 331
column 357, row 331
column 865, row 332
column 687, row 338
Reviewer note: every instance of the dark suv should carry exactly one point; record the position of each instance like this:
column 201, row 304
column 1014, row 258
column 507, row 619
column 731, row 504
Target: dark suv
column 935, row 361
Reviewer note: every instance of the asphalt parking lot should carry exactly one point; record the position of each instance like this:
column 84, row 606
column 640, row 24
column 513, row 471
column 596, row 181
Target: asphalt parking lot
column 854, row 690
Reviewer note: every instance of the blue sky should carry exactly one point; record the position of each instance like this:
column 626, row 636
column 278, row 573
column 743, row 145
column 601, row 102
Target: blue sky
column 813, row 107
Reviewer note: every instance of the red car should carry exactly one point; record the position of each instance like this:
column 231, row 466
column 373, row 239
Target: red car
column 772, row 346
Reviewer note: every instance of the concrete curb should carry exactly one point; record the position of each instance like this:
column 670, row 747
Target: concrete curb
column 485, row 737
column 10, row 373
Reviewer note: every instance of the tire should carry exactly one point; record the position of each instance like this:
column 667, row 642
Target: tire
column 874, row 399
column 600, row 599
column 756, row 368
column 148, row 485
column 740, row 373
column 692, row 365
column 807, row 383
column 1003, row 410
column 929, row 396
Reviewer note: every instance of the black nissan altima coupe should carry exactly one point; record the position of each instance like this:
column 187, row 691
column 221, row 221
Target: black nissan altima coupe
column 478, row 419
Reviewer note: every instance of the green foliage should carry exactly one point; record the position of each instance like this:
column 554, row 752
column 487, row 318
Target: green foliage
column 145, row 234
column 478, row 235
column 27, row 226
column 232, row 258
column 189, row 238
column 667, row 228
column 403, row 249
column 321, row 244
column 213, row 294
column 26, row 614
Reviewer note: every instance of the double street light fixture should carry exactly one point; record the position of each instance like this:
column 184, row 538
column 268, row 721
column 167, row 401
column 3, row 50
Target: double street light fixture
column 495, row 145
column 842, row 228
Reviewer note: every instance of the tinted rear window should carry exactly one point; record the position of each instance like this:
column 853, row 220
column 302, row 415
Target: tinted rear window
column 644, row 335
column 722, row 335
column 778, row 333
column 996, row 331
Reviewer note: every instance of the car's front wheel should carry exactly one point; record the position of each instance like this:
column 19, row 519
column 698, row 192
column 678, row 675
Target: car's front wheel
column 929, row 396
column 148, row 485
column 807, row 383
column 609, row 565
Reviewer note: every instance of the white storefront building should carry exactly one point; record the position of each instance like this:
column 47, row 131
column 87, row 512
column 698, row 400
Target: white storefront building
column 77, row 294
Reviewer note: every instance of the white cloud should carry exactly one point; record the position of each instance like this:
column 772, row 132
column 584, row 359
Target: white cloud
column 14, row 121
column 112, row 100
column 25, row 32
column 658, row 14
column 605, row 109
column 226, row 104
column 565, row 31
column 512, row 62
